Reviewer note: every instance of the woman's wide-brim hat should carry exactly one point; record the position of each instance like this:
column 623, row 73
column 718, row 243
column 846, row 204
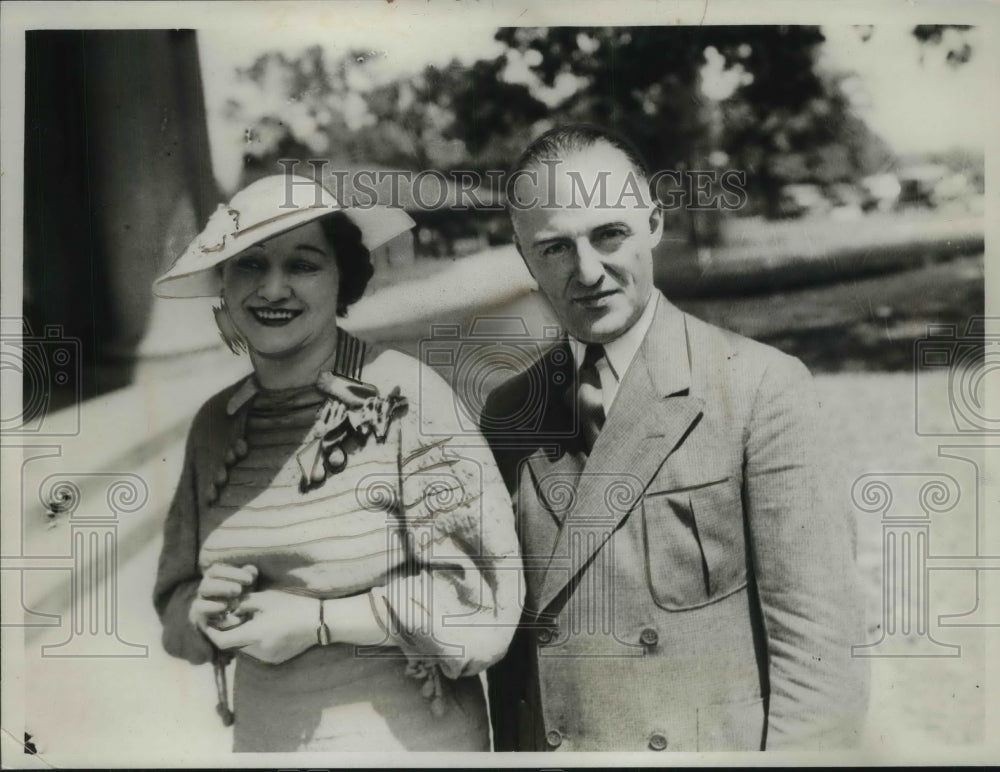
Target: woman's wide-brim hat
column 263, row 209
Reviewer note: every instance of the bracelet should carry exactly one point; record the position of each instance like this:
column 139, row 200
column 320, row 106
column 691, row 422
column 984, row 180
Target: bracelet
column 323, row 636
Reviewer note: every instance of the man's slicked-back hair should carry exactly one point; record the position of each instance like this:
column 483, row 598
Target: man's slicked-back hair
column 561, row 141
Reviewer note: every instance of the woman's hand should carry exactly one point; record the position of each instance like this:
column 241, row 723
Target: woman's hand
column 282, row 626
column 220, row 588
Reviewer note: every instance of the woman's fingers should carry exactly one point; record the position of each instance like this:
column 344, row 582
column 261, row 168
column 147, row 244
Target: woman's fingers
column 245, row 575
column 233, row 638
column 219, row 588
column 207, row 607
column 203, row 609
column 222, row 580
column 255, row 602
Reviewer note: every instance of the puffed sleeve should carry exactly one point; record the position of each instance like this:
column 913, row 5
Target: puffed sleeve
column 458, row 600
column 806, row 576
column 177, row 576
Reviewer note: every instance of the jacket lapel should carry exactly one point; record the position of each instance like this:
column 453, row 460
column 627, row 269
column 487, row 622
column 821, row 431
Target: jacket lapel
column 651, row 416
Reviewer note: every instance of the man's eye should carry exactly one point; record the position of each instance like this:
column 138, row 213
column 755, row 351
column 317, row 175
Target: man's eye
column 613, row 235
column 554, row 250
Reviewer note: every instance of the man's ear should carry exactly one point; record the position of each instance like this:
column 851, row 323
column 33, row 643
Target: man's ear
column 655, row 224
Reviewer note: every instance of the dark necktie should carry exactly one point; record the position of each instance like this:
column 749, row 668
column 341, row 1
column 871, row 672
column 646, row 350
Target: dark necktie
column 589, row 400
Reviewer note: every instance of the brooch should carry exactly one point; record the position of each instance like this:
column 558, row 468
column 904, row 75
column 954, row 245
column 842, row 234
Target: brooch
column 223, row 222
column 351, row 407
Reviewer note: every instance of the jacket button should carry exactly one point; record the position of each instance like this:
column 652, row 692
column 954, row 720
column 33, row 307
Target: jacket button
column 554, row 738
column 657, row 742
column 547, row 635
column 649, row 637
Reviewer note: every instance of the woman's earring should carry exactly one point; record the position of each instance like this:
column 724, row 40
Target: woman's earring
column 227, row 330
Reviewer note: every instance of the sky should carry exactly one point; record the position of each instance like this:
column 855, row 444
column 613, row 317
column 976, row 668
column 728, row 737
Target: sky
column 915, row 105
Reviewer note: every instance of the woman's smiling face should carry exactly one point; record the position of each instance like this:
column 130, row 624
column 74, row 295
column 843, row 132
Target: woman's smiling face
column 282, row 293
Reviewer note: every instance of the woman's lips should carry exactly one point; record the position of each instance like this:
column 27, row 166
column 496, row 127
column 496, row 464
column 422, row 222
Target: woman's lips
column 274, row 317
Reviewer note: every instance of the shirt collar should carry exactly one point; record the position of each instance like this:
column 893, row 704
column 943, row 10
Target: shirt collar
column 622, row 350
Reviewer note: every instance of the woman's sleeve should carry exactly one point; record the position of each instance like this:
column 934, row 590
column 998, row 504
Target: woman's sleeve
column 177, row 576
column 457, row 600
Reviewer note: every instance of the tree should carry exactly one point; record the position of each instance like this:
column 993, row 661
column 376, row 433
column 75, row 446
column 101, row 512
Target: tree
column 292, row 102
column 783, row 121
column 493, row 117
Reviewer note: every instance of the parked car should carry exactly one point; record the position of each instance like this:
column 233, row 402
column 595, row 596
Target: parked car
column 880, row 192
column 844, row 194
column 847, row 200
column 917, row 183
column 802, row 199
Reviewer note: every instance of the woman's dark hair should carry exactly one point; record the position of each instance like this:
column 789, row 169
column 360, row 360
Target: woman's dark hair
column 354, row 261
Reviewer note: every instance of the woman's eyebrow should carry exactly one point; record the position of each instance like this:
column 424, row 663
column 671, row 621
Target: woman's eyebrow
column 311, row 248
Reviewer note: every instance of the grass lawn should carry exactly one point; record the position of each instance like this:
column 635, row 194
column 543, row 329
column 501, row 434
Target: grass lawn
column 868, row 324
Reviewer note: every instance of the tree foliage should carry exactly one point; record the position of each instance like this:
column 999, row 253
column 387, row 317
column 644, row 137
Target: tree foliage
column 784, row 121
column 771, row 109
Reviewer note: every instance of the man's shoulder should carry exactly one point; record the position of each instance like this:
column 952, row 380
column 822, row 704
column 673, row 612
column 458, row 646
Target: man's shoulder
column 716, row 350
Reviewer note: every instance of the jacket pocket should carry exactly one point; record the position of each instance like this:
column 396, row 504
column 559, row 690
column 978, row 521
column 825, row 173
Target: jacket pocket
column 694, row 544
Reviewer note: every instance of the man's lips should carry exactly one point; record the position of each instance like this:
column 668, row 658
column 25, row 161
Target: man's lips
column 274, row 317
column 594, row 298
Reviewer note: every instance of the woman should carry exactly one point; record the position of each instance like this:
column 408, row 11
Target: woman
column 326, row 529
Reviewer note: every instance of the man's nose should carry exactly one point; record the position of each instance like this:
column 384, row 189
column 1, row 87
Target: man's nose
column 589, row 268
column 273, row 286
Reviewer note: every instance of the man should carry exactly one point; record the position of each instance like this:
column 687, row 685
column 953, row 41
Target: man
column 686, row 589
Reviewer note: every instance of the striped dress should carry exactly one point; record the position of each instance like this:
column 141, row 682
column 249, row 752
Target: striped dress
column 417, row 519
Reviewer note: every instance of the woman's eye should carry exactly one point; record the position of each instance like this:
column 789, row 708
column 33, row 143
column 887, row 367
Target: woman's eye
column 304, row 266
column 250, row 264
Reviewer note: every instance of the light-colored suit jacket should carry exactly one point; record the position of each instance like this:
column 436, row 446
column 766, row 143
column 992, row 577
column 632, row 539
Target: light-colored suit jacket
column 687, row 586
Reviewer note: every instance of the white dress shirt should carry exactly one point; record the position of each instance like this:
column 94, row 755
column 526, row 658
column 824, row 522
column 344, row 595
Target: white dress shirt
column 618, row 353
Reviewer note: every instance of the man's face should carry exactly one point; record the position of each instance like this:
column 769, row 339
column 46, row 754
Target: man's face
column 592, row 259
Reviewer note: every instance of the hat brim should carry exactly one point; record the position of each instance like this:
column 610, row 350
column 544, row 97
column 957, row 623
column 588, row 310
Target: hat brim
column 194, row 273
